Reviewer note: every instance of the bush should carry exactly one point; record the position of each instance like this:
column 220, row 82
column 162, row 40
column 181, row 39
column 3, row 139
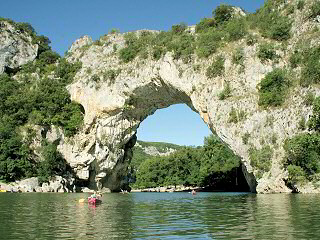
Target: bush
column 233, row 116
column 53, row 163
column 266, row 52
column 222, row 13
column 303, row 151
column 311, row 67
column 216, row 68
column 251, row 40
column 205, row 24
column 302, row 123
column 114, row 31
column 66, row 71
column 272, row 24
column 261, row 159
column 296, row 175
column 309, row 98
column 95, row 78
column 300, row 4
column 314, row 120
column 273, row 86
column 43, row 43
column 295, row 59
column 48, row 57
column 208, row 43
column 236, row 29
column 132, row 49
column 179, row 28
column 111, row 75
column 238, row 57
column 182, row 47
column 245, row 138
column 226, row 92
column 158, row 52
column 25, row 27
column 315, row 9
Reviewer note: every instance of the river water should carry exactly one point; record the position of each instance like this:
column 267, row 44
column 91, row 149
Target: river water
column 160, row 216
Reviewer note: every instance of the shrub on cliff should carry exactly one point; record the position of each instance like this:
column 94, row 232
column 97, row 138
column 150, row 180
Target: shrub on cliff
column 216, row 68
column 303, row 151
column 260, row 159
column 179, row 28
column 314, row 120
column 182, row 47
column 132, row 48
column 272, row 23
column 222, row 13
column 266, row 52
column 236, row 29
column 272, row 88
column 310, row 73
column 315, row 9
column 208, row 43
column 302, row 158
column 205, row 24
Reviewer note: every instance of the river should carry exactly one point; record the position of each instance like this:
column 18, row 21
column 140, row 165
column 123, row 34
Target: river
column 160, row 216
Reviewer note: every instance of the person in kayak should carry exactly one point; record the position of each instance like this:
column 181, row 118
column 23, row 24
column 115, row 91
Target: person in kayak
column 95, row 195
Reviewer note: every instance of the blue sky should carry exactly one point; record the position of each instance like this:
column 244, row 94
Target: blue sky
column 64, row 21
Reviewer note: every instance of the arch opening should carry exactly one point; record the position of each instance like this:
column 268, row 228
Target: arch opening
column 165, row 136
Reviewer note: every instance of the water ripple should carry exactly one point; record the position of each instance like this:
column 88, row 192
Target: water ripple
column 160, row 216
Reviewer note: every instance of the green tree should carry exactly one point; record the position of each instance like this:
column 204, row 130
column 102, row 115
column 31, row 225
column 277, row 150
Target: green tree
column 273, row 88
column 222, row 13
column 217, row 158
column 314, row 121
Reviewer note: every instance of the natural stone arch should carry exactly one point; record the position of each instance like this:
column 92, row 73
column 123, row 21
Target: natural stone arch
column 113, row 114
column 114, row 108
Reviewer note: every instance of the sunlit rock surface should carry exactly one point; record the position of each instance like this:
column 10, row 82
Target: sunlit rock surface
column 16, row 48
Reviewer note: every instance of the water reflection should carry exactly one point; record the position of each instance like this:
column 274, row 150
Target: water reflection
column 160, row 216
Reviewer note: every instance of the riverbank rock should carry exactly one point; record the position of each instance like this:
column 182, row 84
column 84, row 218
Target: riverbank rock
column 29, row 185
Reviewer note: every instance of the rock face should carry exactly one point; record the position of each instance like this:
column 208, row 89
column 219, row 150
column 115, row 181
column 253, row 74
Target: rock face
column 56, row 184
column 114, row 110
column 16, row 48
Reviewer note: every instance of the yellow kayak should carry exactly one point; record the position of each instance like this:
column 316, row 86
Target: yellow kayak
column 3, row 190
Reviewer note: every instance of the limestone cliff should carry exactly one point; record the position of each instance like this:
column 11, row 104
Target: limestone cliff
column 16, row 47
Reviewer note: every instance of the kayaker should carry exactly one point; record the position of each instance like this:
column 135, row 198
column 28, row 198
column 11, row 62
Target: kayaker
column 193, row 192
column 93, row 195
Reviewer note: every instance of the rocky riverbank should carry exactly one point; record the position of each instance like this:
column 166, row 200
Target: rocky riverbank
column 57, row 184
column 167, row 189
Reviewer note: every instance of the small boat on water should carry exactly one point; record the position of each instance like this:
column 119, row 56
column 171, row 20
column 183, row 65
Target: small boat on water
column 2, row 190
